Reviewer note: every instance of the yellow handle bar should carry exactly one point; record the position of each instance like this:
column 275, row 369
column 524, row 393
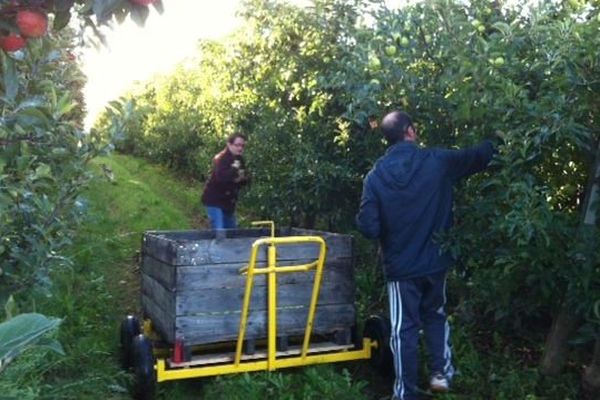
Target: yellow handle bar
column 272, row 269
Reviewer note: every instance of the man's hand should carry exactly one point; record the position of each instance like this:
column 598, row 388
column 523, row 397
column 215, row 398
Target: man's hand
column 498, row 137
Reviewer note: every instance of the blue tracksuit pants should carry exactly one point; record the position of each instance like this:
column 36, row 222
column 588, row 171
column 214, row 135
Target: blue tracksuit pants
column 417, row 304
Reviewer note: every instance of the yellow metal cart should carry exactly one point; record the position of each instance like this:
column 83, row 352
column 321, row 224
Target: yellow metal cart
column 152, row 364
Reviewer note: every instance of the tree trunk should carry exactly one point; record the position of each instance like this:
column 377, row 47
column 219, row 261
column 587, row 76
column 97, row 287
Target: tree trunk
column 556, row 347
column 592, row 195
column 591, row 375
column 590, row 380
column 309, row 220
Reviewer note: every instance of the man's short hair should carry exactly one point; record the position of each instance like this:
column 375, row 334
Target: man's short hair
column 236, row 135
column 394, row 126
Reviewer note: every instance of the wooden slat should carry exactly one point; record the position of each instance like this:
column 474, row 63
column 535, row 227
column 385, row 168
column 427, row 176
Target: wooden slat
column 163, row 245
column 208, row 359
column 163, row 322
column 202, row 329
column 159, row 271
column 228, row 275
column 183, row 278
column 234, row 250
column 218, row 300
column 208, row 234
column 159, row 294
column 158, row 247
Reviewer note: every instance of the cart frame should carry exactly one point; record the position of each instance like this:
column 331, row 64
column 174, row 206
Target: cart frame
column 205, row 365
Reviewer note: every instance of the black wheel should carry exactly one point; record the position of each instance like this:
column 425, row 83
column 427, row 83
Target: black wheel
column 143, row 367
column 378, row 329
column 130, row 328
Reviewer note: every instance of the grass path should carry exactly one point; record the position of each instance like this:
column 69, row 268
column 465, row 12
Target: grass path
column 141, row 197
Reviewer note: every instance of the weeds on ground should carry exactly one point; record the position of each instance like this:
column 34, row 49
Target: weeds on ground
column 310, row 383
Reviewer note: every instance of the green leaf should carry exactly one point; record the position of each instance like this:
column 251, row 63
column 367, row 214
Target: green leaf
column 50, row 344
column 103, row 9
column 59, row 151
column 86, row 8
column 61, row 19
column 116, row 105
column 43, row 171
column 63, row 5
column 21, row 332
column 11, row 79
column 32, row 117
column 158, row 6
column 121, row 15
column 52, row 95
column 10, row 308
column 139, row 14
column 37, row 101
column 65, row 105
column 502, row 27
column 6, row 25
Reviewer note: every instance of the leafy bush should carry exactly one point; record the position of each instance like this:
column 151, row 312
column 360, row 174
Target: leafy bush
column 43, row 153
column 43, row 148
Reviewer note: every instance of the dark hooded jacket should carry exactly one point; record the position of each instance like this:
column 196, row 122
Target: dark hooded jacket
column 407, row 201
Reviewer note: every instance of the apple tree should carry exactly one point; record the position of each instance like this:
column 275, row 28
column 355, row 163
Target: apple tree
column 43, row 154
column 43, row 148
column 526, row 75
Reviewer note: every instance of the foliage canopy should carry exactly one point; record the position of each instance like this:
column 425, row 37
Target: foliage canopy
column 308, row 85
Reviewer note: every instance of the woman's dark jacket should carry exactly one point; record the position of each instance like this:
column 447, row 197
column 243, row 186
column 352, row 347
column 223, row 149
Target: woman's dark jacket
column 224, row 183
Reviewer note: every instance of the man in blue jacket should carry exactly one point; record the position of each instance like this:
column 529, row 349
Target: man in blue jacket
column 406, row 202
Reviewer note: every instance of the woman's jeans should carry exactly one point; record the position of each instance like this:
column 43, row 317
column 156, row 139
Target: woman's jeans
column 220, row 219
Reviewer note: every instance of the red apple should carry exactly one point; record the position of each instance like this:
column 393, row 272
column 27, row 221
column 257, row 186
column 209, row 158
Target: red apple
column 32, row 23
column 143, row 2
column 12, row 42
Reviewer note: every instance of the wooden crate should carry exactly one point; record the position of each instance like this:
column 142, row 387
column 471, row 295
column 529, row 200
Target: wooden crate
column 192, row 287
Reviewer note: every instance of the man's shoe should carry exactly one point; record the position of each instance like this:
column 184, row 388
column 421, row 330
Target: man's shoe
column 439, row 384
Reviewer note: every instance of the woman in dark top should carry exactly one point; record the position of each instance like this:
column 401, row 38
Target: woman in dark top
column 229, row 174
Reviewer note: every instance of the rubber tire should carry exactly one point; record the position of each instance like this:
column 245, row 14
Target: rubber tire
column 143, row 367
column 378, row 328
column 130, row 328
